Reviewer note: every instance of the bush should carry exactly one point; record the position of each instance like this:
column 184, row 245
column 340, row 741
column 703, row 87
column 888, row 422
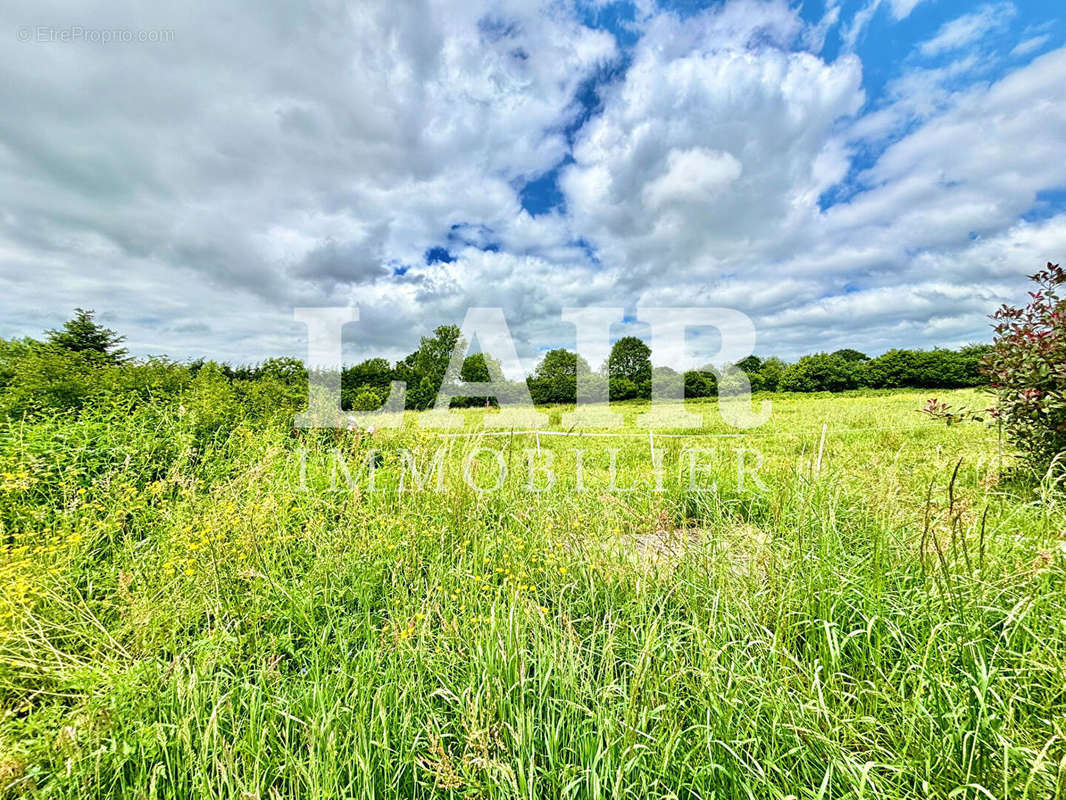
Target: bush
column 701, row 383
column 366, row 399
column 211, row 402
column 48, row 379
column 1027, row 365
column 770, row 374
column 623, row 389
column 821, row 372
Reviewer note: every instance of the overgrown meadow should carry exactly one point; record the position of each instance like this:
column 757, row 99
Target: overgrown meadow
column 197, row 602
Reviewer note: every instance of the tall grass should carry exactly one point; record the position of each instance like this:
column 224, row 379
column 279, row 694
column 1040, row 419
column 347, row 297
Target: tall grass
column 184, row 617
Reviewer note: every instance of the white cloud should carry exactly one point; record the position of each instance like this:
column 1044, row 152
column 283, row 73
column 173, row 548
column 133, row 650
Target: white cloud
column 692, row 176
column 711, row 147
column 201, row 192
column 901, row 9
column 1030, row 45
column 968, row 28
column 860, row 21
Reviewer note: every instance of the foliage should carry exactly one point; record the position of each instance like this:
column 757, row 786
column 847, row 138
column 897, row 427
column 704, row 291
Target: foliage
column 366, row 399
column 850, row 355
column 822, row 372
column 938, row 409
column 1027, row 365
column 12, row 351
column 630, row 360
column 374, row 374
column 771, row 371
column 46, row 379
column 475, row 369
column 423, row 371
column 554, row 380
column 289, row 371
column 82, row 334
column 700, row 383
column 41, row 377
column 623, row 389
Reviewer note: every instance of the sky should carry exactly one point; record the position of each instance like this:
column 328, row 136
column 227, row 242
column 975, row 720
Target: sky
column 871, row 174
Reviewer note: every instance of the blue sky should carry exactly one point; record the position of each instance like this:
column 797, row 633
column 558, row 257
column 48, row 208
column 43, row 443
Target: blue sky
column 849, row 174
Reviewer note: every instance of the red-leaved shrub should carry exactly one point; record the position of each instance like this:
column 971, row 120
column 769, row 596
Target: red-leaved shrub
column 1027, row 367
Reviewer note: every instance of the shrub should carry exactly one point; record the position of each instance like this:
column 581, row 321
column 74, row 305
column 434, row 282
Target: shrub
column 770, row 373
column 12, row 351
column 821, row 372
column 211, row 402
column 701, row 383
column 366, row 399
column 48, row 379
column 1027, row 366
column 623, row 389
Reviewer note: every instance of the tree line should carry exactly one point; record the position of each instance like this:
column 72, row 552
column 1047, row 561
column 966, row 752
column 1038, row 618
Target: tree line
column 76, row 363
column 628, row 373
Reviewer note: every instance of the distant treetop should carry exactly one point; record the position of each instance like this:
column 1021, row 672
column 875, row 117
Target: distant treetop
column 82, row 333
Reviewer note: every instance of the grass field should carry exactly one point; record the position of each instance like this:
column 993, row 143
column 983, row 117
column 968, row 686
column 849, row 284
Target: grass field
column 188, row 614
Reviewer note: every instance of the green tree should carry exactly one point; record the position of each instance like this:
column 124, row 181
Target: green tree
column 701, row 383
column 771, row 372
column 424, row 369
column 821, row 372
column 83, row 334
column 48, row 379
column 559, row 363
column 476, row 370
column 630, row 359
column 375, row 374
column 671, row 383
column 555, row 378
column 13, row 351
column 849, row 355
column 750, row 366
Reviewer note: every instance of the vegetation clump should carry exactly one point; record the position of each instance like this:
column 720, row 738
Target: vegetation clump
column 1027, row 366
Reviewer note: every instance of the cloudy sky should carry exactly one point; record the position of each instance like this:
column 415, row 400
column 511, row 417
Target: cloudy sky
column 865, row 174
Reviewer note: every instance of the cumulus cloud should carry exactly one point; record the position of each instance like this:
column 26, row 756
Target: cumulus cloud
column 196, row 191
column 716, row 144
column 293, row 159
